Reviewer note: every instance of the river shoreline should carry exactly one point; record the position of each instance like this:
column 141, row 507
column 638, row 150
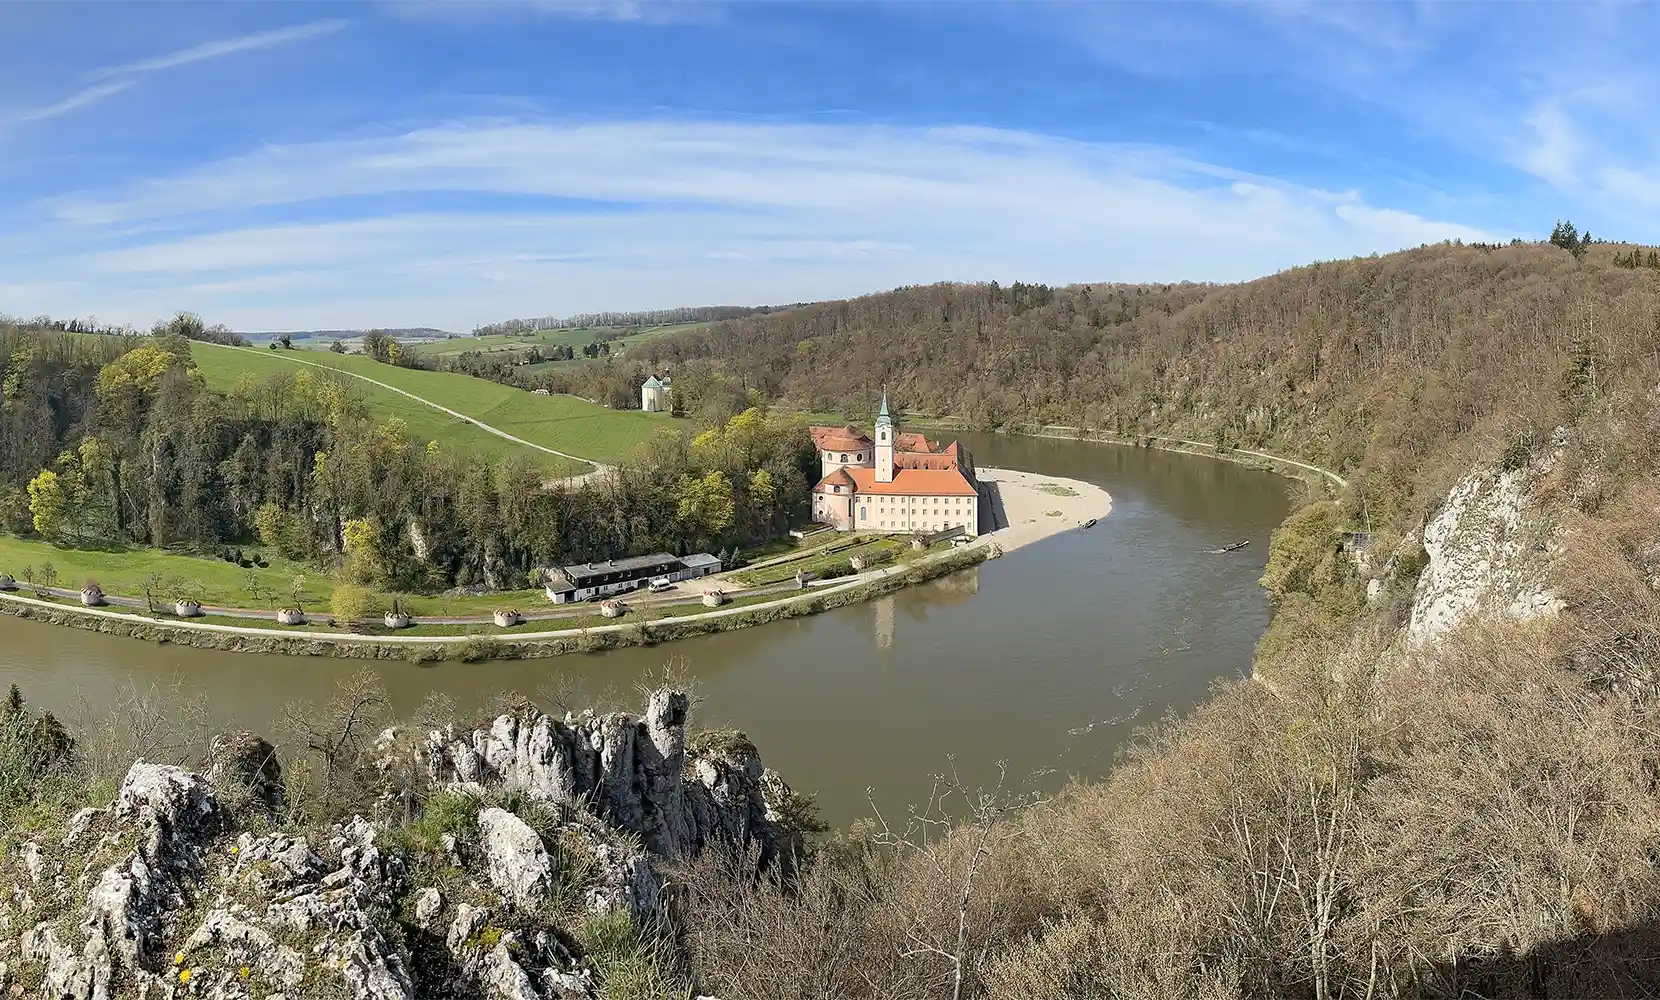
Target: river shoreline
column 1069, row 644
column 471, row 648
column 1024, row 508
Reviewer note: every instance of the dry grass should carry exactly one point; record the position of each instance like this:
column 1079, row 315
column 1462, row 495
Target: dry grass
column 1464, row 822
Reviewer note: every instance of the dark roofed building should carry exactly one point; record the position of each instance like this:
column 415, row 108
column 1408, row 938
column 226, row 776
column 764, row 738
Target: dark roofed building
column 616, row 576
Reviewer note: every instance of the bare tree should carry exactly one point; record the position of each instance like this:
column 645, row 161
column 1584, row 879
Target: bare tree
column 338, row 744
column 953, row 850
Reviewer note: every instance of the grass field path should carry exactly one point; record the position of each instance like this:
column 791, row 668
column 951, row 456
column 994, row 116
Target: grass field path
column 598, row 468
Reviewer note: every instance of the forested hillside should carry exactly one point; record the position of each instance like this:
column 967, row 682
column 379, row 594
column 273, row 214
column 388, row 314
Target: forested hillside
column 1372, row 364
column 1475, row 816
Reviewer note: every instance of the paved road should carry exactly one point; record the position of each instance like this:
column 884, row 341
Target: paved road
column 598, row 468
column 636, row 600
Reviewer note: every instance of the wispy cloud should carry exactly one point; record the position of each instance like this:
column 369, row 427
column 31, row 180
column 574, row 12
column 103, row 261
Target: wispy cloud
column 222, row 47
column 89, row 95
column 651, row 213
column 1554, row 154
column 651, row 12
column 123, row 77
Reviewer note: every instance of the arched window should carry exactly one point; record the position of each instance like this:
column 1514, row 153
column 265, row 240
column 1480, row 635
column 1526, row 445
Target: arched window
column 863, row 513
column 844, row 456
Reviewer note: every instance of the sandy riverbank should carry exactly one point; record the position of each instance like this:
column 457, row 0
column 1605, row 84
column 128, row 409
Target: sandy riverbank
column 1026, row 507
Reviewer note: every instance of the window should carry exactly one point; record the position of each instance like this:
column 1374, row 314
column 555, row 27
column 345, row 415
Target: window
column 864, row 512
column 860, row 457
column 844, row 456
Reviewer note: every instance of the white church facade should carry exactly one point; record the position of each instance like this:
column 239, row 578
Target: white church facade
column 654, row 394
column 896, row 482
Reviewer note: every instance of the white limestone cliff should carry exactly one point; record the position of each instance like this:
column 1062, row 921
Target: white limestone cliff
column 1488, row 554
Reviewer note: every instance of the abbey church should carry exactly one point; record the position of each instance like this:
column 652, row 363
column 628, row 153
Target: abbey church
column 899, row 482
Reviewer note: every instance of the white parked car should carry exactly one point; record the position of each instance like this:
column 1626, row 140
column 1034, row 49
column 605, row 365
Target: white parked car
column 660, row 583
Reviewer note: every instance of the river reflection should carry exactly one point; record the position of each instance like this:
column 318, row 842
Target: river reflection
column 1047, row 658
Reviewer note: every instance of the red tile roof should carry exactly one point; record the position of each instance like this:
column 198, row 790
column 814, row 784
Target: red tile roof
column 906, row 482
column 838, row 438
column 918, row 460
column 914, row 441
column 838, row 478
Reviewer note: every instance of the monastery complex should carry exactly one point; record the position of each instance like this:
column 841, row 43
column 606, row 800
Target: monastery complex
column 900, row 482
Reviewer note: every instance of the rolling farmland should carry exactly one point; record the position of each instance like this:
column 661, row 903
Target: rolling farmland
column 563, row 423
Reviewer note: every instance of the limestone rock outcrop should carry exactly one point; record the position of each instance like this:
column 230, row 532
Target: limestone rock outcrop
column 515, row 858
column 540, row 825
column 246, row 762
column 638, row 775
column 1488, row 555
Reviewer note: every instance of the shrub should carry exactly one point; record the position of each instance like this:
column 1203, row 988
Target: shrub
column 476, row 648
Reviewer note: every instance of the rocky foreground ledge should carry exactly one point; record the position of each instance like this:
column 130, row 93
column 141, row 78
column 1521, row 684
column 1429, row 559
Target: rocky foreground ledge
column 518, row 850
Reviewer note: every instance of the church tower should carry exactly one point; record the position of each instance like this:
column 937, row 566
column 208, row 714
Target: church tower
column 884, row 443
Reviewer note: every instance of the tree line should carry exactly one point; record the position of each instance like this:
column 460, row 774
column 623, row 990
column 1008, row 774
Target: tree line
column 110, row 442
column 636, row 318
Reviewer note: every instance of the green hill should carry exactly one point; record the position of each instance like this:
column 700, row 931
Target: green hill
column 562, row 423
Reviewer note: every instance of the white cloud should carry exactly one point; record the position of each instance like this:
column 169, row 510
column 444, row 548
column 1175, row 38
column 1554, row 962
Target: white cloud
column 121, row 76
column 646, row 214
column 222, row 47
column 1554, row 154
column 80, row 99
column 650, row 12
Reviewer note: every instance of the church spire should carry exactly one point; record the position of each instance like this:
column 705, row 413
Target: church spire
column 884, row 442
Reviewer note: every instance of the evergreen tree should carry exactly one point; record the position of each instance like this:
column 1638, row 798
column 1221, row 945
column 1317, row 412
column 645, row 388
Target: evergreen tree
column 1567, row 237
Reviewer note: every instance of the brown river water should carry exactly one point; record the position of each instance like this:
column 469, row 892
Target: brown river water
column 1047, row 658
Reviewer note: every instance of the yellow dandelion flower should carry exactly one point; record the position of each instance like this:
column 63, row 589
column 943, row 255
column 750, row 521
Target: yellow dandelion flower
column 233, row 848
column 178, row 959
column 184, row 975
column 244, row 972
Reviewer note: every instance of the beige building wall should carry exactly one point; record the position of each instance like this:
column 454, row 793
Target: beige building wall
column 911, row 513
column 830, row 461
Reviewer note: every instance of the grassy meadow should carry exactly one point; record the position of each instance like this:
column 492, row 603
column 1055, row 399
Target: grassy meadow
column 223, row 367
column 122, row 572
column 564, row 423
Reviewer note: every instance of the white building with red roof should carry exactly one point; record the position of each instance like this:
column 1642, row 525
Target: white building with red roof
column 896, row 482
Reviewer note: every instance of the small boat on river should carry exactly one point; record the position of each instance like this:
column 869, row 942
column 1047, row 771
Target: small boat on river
column 1235, row 546
column 1088, row 524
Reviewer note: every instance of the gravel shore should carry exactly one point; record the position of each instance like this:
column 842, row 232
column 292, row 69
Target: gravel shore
column 1026, row 507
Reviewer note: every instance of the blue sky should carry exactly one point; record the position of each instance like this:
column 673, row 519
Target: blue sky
column 304, row 165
